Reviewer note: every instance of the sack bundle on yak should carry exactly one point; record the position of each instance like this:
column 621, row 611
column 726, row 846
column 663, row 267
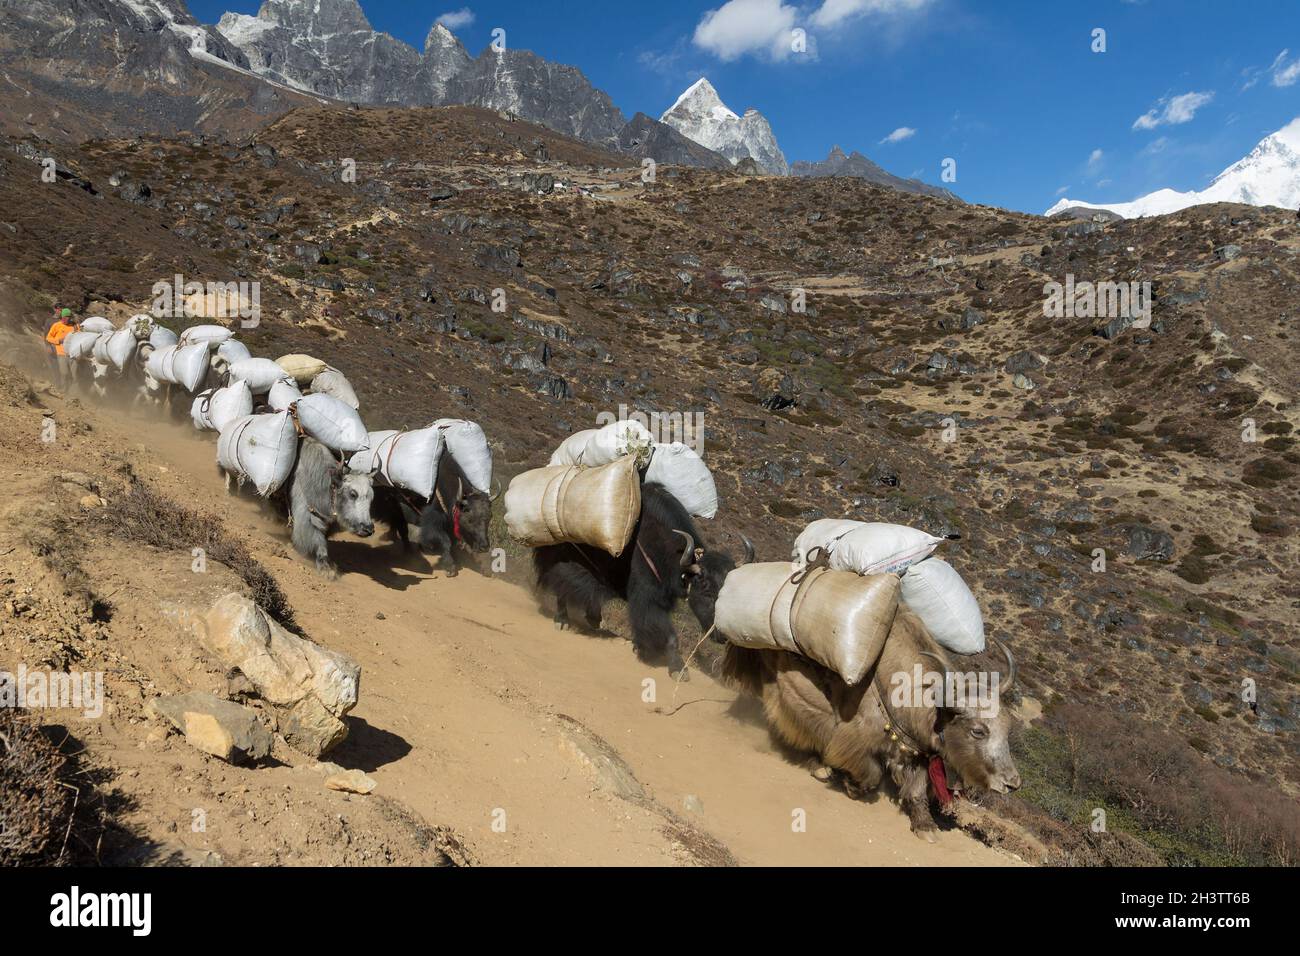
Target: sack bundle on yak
column 604, row 525
column 930, row 588
column 858, row 668
column 433, row 485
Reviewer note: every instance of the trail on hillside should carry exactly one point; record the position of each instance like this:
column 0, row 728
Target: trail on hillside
column 477, row 713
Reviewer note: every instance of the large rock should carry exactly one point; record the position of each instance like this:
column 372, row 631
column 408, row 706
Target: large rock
column 215, row 726
column 312, row 687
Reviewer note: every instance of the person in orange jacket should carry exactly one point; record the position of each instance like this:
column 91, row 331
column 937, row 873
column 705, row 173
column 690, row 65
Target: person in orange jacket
column 64, row 325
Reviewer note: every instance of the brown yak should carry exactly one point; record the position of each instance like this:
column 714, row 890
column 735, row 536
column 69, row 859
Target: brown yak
column 811, row 708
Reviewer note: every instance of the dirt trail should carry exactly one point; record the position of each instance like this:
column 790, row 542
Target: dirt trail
column 465, row 693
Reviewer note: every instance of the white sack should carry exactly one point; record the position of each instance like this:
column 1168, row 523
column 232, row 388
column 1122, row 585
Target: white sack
column 821, row 533
column 205, row 333
column 141, row 326
column 261, row 449
column 333, row 382
column 468, row 446
column 183, row 365
column 161, row 337
column 214, row 409
column 333, row 423
column 233, row 350
column 101, row 348
column 878, row 548
column 97, row 323
column 80, row 345
column 406, row 459
column 121, row 348
column 685, row 476
column 940, row 598
column 283, row 394
column 599, row 446
column 259, row 373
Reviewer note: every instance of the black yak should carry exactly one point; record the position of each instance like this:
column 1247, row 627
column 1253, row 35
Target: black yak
column 665, row 560
column 458, row 515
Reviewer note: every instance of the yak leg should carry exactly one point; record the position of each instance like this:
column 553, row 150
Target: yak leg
column 308, row 539
column 653, row 636
column 914, row 794
column 435, row 538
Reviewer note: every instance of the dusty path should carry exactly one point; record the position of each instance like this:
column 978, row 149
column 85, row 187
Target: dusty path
column 467, row 699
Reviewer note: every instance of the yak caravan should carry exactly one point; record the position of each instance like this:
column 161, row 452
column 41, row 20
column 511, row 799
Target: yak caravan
column 414, row 457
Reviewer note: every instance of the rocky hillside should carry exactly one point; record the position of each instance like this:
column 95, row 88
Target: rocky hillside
column 854, row 350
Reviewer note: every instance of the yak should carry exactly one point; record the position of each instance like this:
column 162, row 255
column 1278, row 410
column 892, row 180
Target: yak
column 856, row 730
column 440, row 530
column 322, row 495
column 665, row 560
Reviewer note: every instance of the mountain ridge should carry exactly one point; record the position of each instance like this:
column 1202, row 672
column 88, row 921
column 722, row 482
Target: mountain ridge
column 1268, row 176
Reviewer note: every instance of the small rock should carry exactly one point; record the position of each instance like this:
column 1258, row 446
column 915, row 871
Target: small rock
column 218, row 727
column 350, row 781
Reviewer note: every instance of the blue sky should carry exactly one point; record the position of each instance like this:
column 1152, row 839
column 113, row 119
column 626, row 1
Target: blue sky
column 1010, row 89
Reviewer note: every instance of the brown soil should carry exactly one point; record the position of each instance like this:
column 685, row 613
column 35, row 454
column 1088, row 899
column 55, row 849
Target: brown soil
column 471, row 705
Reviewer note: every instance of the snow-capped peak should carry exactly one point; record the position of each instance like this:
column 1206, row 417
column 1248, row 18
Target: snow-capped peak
column 1269, row 176
column 700, row 115
column 700, row 98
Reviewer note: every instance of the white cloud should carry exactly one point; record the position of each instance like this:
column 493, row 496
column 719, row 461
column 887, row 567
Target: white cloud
column 900, row 134
column 747, row 26
column 764, row 28
column 1063, row 190
column 456, row 19
column 1284, row 73
column 833, row 12
column 1157, row 145
column 1094, row 158
column 1173, row 110
column 1102, row 183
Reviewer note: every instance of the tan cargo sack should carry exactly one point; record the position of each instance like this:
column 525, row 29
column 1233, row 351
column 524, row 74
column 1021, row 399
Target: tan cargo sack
column 567, row 504
column 301, row 368
column 836, row 618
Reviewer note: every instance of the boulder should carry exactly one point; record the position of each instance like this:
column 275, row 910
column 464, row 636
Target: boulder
column 1146, row 543
column 219, row 727
column 311, row 686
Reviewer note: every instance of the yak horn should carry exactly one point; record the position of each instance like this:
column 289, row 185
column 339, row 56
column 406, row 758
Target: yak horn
column 460, row 489
column 943, row 664
column 1010, row 680
column 496, row 483
column 689, row 551
column 750, row 556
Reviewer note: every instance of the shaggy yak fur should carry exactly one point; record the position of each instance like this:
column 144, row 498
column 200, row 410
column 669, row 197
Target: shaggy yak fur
column 811, row 708
column 659, row 567
column 438, row 531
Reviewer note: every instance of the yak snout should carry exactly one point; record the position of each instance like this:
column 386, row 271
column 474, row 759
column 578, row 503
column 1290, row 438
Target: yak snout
column 356, row 495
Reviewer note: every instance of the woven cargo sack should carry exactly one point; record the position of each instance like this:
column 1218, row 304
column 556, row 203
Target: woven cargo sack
column 567, row 504
column 837, row 618
column 301, row 368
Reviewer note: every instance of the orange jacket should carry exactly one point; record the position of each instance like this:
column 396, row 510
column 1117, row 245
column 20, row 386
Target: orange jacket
column 59, row 331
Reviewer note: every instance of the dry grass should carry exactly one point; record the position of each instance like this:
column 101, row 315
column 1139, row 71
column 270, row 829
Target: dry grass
column 145, row 517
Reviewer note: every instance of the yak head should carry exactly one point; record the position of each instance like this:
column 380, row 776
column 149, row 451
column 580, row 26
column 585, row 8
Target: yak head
column 703, row 572
column 975, row 740
column 475, row 514
column 353, row 493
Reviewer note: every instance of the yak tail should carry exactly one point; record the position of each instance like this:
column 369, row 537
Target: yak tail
column 743, row 669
